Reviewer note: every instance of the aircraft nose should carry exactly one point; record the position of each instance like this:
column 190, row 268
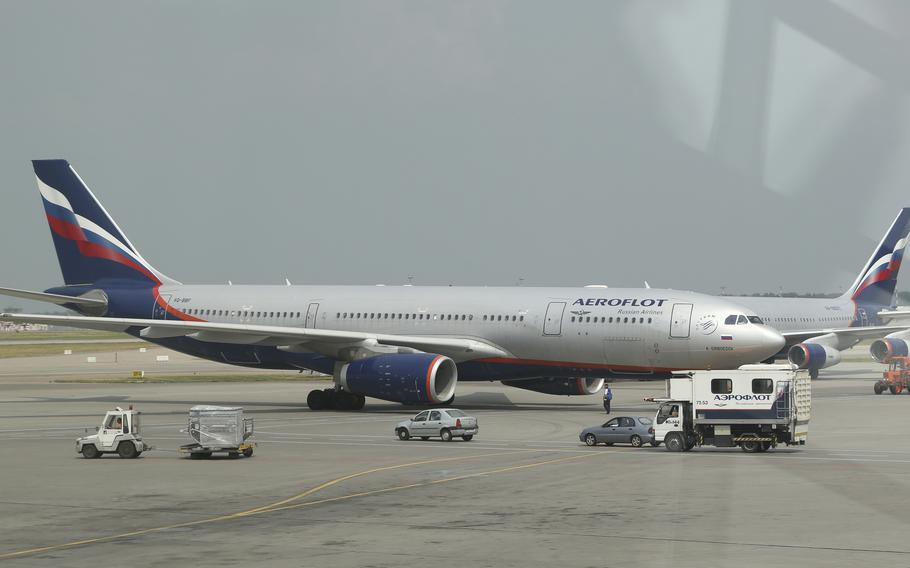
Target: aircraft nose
column 764, row 341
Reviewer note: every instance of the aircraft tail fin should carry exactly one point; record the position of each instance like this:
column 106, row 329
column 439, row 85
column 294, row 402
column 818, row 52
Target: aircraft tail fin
column 90, row 246
column 875, row 284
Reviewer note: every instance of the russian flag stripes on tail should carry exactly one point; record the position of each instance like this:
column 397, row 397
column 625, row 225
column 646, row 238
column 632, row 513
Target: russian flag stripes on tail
column 90, row 246
column 874, row 286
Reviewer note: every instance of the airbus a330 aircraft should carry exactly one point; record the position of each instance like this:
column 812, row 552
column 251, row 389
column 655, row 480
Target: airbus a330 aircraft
column 818, row 329
column 407, row 344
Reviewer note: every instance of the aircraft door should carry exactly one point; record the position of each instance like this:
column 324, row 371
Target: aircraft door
column 552, row 323
column 680, row 320
column 159, row 312
column 311, row 311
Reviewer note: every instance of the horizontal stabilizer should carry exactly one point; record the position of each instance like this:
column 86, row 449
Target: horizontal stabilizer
column 58, row 299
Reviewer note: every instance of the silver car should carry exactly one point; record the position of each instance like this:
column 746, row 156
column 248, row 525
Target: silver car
column 635, row 430
column 445, row 423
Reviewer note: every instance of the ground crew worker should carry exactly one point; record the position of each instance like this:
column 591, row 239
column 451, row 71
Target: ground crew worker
column 608, row 396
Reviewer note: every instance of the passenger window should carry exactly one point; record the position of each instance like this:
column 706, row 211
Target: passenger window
column 741, row 320
column 435, row 415
column 762, row 386
column 649, row 320
column 421, row 417
column 612, row 423
column 514, row 318
column 721, row 386
column 731, row 320
column 626, row 422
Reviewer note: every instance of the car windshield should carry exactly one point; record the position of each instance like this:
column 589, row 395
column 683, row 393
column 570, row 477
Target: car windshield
column 455, row 413
column 645, row 421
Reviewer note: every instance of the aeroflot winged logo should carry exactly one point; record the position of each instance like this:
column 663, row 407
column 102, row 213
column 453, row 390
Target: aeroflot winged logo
column 637, row 302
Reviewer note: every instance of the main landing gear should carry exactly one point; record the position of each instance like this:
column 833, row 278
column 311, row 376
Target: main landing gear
column 334, row 399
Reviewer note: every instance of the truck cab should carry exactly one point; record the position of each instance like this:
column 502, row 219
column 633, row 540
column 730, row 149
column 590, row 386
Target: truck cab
column 119, row 433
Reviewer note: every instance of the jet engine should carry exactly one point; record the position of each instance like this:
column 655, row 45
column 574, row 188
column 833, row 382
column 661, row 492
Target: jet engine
column 813, row 356
column 893, row 345
column 408, row 378
column 559, row 385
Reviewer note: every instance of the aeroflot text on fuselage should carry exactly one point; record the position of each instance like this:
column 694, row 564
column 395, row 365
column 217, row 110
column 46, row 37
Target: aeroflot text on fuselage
column 764, row 397
column 647, row 302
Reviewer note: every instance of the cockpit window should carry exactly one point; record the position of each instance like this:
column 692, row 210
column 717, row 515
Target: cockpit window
column 741, row 320
column 730, row 320
column 756, row 319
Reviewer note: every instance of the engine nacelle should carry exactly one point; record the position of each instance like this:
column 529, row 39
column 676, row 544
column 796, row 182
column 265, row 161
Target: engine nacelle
column 893, row 345
column 813, row 356
column 559, row 385
column 408, row 378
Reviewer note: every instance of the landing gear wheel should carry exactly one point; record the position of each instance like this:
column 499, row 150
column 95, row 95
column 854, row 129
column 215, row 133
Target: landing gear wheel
column 248, row 453
column 404, row 435
column 446, row 435
column 127, row 450
column 674, row 443
column 467, row 437
column 879, row 387
column 813, row 373
column 90, row 452
column 359, row 402
column 591, row 439
column 344, row 400
column 636, row 441
column 316, row 400
column 750, row 446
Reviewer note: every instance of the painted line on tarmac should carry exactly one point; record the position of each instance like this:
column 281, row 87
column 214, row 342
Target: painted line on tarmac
column 288, row 503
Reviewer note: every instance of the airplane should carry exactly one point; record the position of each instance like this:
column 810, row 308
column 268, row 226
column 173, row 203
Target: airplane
column 406, row 344
column 818, row 329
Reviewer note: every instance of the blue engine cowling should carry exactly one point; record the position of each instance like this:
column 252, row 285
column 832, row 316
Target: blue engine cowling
column 408, row 378
column 559, row 385
column 884, row 349
column 813, row 356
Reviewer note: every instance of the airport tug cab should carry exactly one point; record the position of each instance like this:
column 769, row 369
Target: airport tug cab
column 119, row 433
column 755, row 407
column 897, row 378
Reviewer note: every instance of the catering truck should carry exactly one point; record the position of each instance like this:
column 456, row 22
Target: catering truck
column 755, row 407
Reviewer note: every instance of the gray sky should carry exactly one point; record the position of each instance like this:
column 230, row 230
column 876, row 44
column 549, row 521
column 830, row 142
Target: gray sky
column 693, row 144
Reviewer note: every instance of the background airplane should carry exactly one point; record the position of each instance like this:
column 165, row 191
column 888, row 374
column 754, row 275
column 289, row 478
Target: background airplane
column 817, row 330
column 399, row 343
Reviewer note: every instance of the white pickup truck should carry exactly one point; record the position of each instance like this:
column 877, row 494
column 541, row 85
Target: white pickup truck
column 755, row 407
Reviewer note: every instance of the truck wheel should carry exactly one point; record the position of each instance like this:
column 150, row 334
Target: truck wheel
column 655, row 443
column 750, row 446
column 127, row 450
column 200, row 455
column 446, row 435
column 403, row 434
column 879, row 387
column 467, row 437
column 248, row 453
column 674, row 443
column 636, row 441
column 765, row 446
column 90, row 452
column 591, row 439
column 893, row 389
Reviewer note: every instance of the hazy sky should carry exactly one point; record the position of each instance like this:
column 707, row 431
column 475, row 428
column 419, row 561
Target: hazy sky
column 693, row 144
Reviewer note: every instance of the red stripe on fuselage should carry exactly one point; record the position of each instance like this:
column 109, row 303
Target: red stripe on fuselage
column 546, row 363
column 173, row 311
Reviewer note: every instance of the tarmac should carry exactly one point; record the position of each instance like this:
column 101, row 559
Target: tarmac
column 338, row 489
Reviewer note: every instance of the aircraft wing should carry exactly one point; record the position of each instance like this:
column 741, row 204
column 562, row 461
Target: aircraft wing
column 855, row 333
column 326, row 341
